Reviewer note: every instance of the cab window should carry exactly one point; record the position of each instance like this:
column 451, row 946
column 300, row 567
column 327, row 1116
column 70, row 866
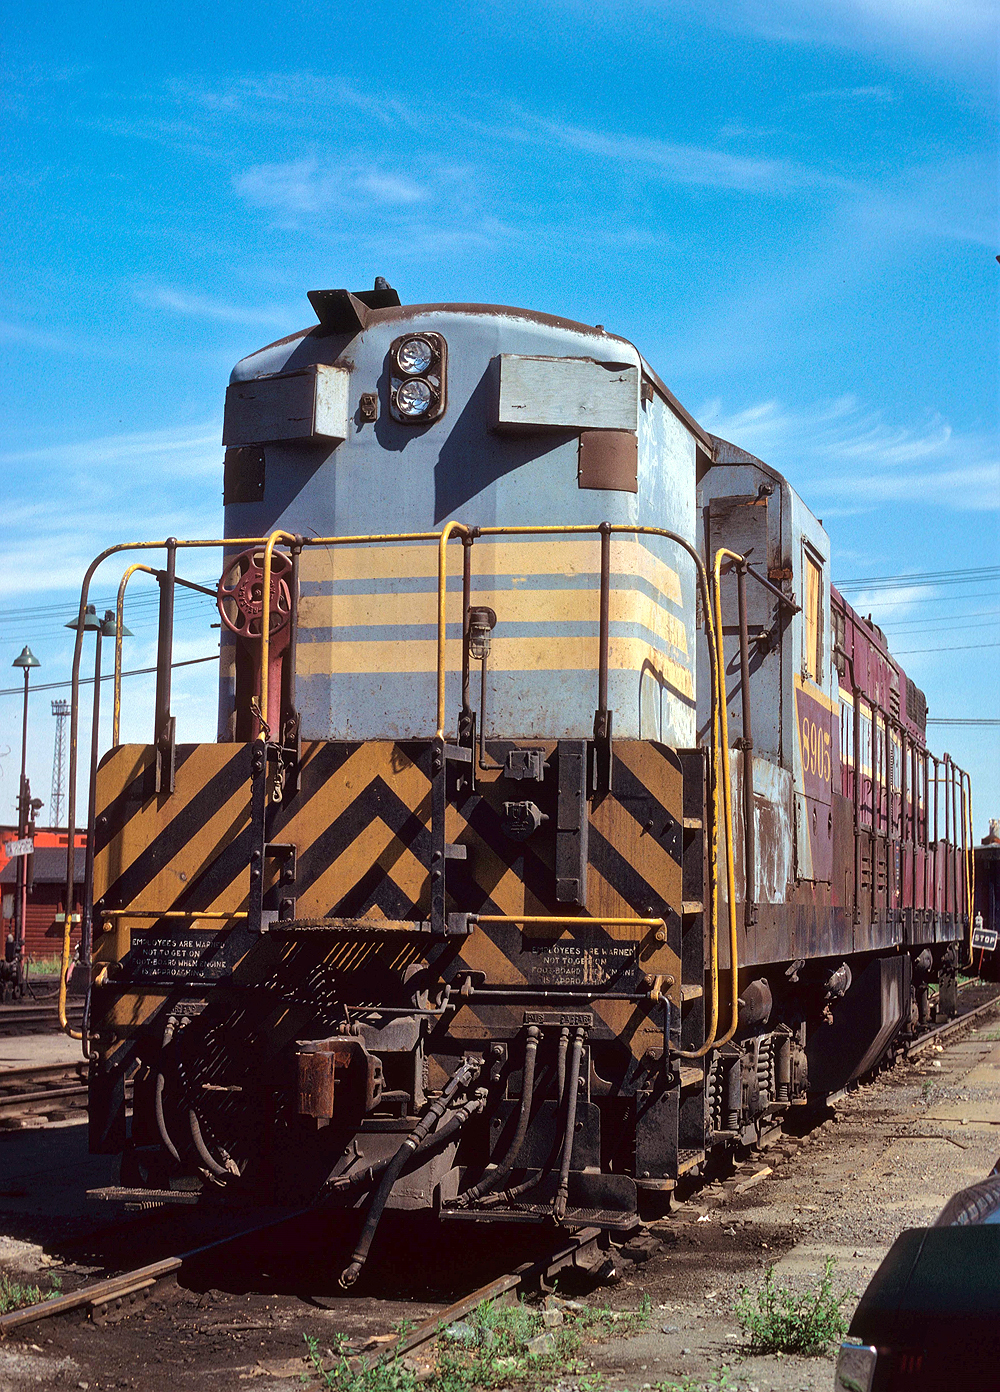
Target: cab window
column 812, row 664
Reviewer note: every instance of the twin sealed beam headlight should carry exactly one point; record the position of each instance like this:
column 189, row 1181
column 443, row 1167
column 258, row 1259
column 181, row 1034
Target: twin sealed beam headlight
column 417, row 378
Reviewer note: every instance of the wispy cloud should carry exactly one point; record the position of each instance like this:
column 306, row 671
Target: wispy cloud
column 203, row 307
column 312, row 186
column 688, row 164
column 172, row 480
column 844, row 452
column 942, row 32
column 187, row 451
column 850, row 94
column 31, row 337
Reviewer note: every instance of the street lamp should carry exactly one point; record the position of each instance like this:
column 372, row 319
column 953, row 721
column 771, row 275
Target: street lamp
column 26, row 661
column 101, row 628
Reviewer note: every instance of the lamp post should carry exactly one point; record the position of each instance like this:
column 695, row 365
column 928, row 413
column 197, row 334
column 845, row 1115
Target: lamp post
column 26, row 661
column 101, row 628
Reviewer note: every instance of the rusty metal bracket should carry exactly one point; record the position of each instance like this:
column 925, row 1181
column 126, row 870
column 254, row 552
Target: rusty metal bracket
column 327, row 1065
column 286, row 853
column 779, row 595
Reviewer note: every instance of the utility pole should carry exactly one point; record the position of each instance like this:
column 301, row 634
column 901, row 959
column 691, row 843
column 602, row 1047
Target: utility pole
column 60, row 709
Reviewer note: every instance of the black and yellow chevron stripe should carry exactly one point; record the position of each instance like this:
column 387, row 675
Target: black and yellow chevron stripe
column 360, row 821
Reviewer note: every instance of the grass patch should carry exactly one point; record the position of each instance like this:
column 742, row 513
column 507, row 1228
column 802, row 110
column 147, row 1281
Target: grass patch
column 718, row 1382
column 14, row 1295
column 494, row 1346
column 776, row 1319
column 44, row 966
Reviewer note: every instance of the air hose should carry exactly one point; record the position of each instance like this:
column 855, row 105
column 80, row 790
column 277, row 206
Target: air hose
column 535, row 1180
column 359, row 1179
column 572, row 1093
column 158, row 1086
column 461, row 1078
column 498, row 1175
column 204, row 1154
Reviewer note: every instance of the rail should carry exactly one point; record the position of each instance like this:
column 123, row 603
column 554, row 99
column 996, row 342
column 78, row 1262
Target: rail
column 588, row 1246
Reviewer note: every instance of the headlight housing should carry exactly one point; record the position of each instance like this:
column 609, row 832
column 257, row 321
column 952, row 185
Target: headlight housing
column 418, row 378
column 415, row 356
column 413, row 398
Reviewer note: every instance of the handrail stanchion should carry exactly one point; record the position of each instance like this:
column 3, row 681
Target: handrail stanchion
column 449, row 530
column 720, row 555
column 746, row 744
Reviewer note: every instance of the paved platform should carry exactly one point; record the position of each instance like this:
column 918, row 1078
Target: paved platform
column 27, row 1050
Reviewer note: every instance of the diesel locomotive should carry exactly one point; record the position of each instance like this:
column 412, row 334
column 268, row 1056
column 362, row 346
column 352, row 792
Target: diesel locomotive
column 564, row 825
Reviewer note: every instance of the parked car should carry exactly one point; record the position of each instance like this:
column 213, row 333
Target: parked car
column 929, row 1320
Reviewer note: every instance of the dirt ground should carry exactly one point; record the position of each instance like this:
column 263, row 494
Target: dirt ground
column 888, row 1159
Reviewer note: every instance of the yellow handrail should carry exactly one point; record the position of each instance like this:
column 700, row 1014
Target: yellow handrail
column 714, row 640
column 119, row 625
column 968, row 851
column 449, row 530
column 575, row 919
column 720, row 555
column 64, row 1023
column 174, row 913
column 265, row 624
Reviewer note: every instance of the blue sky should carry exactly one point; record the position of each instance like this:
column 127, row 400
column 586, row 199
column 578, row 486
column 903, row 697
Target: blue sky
column 789, row 207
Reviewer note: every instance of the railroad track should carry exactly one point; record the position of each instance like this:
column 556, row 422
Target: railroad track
column 950, row 1027
column 46, row 1090
column 37, row 1018
column 587, row 1249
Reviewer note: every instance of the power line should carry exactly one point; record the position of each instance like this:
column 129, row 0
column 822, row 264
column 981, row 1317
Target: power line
column 942, row 720
column 914, row 578
column 929, row 625
column 109, row 676
column 938, row 599
column 140, row 597
column 946, row 618
column 141, row 614
column 961, row 647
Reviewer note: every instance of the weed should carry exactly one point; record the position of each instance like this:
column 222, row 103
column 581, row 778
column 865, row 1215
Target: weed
column 500, row 1346
column 718, row 1382
column 602, row 1322
column 14, row 1296
column 776, row 1319
column 384, row 1377
column 44, row 966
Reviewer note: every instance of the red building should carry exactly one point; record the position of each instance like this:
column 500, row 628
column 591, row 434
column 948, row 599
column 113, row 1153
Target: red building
column 47, row 889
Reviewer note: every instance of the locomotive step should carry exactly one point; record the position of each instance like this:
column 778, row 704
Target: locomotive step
column 688, row 1159
column 611, row 1218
